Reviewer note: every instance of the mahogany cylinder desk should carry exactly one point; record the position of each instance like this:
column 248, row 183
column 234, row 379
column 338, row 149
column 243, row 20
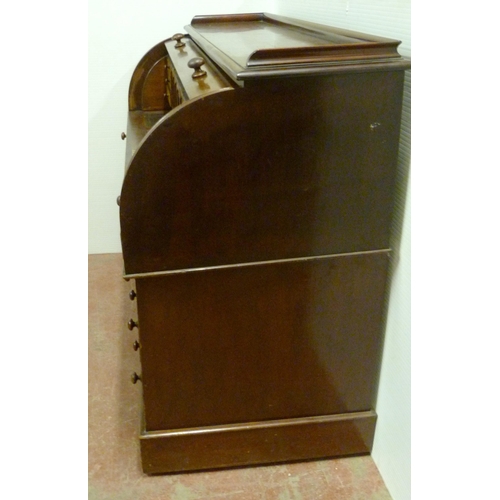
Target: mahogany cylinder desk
column 255, row 212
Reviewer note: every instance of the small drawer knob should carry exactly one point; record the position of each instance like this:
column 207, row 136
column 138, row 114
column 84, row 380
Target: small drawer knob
column 132, row 324
column 135, row 378
column 118, row 201
column 136, row 345
column 132, row 295
column 196, row 63
column 178, row 37
column 123, row 136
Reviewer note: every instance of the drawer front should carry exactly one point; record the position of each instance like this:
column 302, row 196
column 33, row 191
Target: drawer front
column 261, row 342
column 180, row 84
column 174, row 92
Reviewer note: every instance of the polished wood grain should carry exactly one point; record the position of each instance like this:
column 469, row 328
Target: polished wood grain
column 138, row 125
column 255, row 216
column 213, row 80
column 260, row 342
column 281, row 170
column 265, row 45
column 257, row 442
column 147, row 85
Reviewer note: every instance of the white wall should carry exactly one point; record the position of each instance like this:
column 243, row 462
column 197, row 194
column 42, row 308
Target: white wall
column 120, row 33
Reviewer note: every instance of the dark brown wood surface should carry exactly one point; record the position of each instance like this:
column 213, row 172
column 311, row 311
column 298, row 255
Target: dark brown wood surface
column 147, row 85
column 256, row 217
column 261, row 342
column 256, row 46
column 139, row 124
column 276, row 171
column 257, row 442
column 194, row 87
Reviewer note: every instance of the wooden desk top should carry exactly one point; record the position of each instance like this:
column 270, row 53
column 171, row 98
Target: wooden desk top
column 249, row 46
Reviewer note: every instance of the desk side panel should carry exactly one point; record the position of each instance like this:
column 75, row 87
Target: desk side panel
column 276, row 171
column 262, row 342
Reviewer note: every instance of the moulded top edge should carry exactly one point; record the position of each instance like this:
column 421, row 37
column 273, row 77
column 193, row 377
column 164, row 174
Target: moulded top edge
column 242, row 41
column 286, row 22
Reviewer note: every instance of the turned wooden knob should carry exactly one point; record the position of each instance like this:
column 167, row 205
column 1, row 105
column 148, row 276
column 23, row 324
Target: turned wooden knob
column 196, row 63
column 136, row 345
column 135, row 378
column 132, row 295
column 132, row 324
column 178, row 37
column 123, row 136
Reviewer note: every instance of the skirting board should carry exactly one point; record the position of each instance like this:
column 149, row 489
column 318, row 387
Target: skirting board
column 256, row 443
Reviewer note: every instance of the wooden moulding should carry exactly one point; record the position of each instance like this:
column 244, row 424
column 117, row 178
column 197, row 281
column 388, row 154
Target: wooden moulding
column 255, row 443
column 261, row 45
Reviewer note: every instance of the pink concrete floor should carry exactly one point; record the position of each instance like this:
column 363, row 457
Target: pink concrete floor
column 114, row 414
